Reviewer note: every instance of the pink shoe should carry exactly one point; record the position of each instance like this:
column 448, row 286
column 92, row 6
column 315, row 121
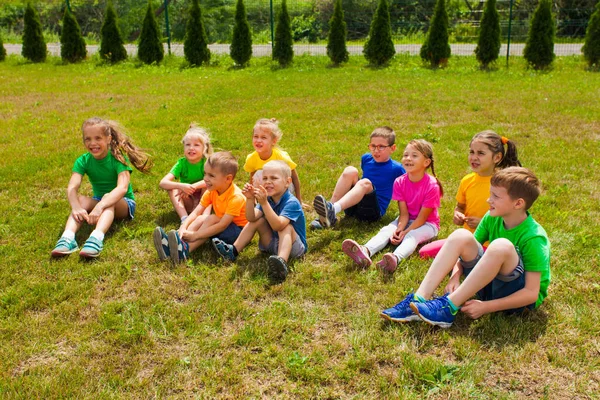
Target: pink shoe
column 388, row 263
column 359, row 254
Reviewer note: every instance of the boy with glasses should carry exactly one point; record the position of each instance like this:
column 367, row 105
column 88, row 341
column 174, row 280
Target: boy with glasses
column 366, row 198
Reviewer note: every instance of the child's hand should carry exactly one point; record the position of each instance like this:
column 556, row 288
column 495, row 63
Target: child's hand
column 472, row 222
column 93, row 217
column 459, row 218
column 248, row 191
column 79, row 215
column 187, row 189
column 474, row 308
column 260, row 194
column 452, row 285
column 188, row 236
column 397, row 237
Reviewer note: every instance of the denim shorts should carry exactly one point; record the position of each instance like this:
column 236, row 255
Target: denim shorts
column 502, row 285
column 367, row 208
column 298, row 248
column 230, row 234
column 130, row 205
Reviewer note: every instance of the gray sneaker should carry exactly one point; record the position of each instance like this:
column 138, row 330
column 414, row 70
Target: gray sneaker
column 325, row 211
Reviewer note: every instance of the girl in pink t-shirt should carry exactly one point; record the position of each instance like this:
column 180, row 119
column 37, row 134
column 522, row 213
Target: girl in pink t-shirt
column 418, row 195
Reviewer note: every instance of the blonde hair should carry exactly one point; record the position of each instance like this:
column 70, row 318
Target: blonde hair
column 520, row 183
column 496, row 145
column 426, row 148
column 120, row 143
column 271, row 125
column 201, row 134
column 384, row 132
column 224, row 161
column 280, row 166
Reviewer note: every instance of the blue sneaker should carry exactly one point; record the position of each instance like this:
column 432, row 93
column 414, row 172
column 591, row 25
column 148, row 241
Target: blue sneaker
column 64, row 247
column 325, row 210
column 401, row 312
column 225, row 250
column 278, row 269
column 435, row 312
column 161, row 243
column 178, row 249
column 91, row 248
column 316, row 224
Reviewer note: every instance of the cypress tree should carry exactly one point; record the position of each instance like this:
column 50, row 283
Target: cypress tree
column 2, row 50
column 284, row 46
column 195, row 44
column 72, row 45
column 539, row 48
column 336, row 40
column 436, row 49
column 379, row 48
column 241, row 44
column 111, row 43
column 488, row 45
column 34, row 45
column 591, row 47
column 150, row 48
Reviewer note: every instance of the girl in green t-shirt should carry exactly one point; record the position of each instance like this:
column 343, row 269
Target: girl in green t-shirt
column 106, row 164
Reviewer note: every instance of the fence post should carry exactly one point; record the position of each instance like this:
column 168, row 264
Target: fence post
column 509, row 26
column 68, row 5
column 167, row 23
column 272, row 30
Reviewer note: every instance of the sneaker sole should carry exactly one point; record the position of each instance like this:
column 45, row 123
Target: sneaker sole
column 88, row 256
column 320, row 206
column 387, row 264
column 351, row 248
column 403, row 320
column 444, row 325
column 173, row 247
column 277, row 270
column 58, row 254
column 157, row 236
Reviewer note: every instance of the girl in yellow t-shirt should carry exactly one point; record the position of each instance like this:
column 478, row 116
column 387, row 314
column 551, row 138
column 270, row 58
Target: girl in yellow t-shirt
column 265, row 135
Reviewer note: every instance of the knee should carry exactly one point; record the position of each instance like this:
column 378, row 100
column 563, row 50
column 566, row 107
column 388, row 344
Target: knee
column 365, row 185
column 460, row 236
column 350, row 173
column 501, row 247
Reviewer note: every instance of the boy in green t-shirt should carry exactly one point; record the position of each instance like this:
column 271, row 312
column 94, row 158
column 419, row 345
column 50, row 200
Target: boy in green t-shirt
column 512, row 275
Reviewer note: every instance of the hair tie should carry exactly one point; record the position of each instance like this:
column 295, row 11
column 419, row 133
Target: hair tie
column 504, row 140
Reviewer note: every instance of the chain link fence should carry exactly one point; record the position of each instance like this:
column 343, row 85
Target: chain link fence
column 310, row 22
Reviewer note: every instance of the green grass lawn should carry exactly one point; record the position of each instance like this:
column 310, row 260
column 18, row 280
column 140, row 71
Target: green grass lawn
column 129, row 326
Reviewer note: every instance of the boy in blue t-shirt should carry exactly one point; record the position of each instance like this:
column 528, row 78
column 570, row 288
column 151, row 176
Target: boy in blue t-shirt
column 366, row 199
column 278, row 218
column 512, row 275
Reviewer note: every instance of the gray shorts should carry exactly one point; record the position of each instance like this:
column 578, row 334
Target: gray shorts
column 298, row 248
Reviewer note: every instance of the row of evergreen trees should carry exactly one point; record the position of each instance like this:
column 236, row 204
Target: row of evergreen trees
column 378, row 50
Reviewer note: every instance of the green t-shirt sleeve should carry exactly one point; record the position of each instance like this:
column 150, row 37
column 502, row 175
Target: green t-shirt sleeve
column 482, row 233
column 80, row 165
column 120, row 167
column 176, row 170
column 536, row 254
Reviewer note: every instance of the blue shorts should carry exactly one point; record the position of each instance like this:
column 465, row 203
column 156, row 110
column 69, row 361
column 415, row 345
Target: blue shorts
column 502, row 285
column 130, row 205
column 230, row 234
column 367, row 208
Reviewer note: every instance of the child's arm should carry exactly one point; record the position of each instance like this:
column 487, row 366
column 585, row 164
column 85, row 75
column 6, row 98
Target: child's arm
column 296, row 182
column 251, row 177
column 459, row 214
column 168, row 183
column 79, row 213
column 111, row 198
column 252, row 214
column 522, row 298
column 198, row 211
column 199, row 185
column 276, row 222
column 206, row 232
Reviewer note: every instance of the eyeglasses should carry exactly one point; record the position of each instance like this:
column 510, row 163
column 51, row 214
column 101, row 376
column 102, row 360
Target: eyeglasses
column 380, row 147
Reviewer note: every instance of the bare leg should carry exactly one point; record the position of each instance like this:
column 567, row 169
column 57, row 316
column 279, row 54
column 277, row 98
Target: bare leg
column 118, row 211
column 499, row 258
column 287, row 236
column 88, row 204
column 460, row 243
column 178, row 202
column 356, row 194
column 248, row 232
column 344, row 183
column 209, row 221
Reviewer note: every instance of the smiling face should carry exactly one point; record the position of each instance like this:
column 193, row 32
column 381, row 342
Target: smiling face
column 481, row 158
column 263, row 142
column 274, row 181
column 380, row 149
column 501, row 204
column 95, row 141
column 193, row 149
column 215, row 179
column 414, row 161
